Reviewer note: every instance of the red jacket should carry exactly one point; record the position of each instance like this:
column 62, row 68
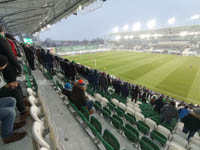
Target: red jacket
column 12, row 44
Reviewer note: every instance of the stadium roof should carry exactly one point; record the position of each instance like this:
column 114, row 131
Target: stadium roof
column 171, row 30
column 30, row 16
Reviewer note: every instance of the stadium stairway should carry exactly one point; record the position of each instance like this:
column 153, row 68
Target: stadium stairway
column 69, row 134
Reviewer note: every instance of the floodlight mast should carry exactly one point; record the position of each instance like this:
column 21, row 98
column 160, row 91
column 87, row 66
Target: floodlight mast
column 171, row 21
column 151, row 24
column 137, row 26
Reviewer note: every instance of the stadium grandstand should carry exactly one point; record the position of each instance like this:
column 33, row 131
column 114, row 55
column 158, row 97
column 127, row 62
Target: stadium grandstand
column 55, row 99
column 175, row 40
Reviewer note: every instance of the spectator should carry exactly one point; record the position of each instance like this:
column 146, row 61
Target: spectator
column 168, row 112
column 67, row 90
column 95, row 80
column 13, row 89
column 134, row 93
column 49, row 62
column 5, row 50
column 191, row 123
column 183, row 112
column 7, row 117
column 103, row 82
column 78, row 96
column 12, row 44
column 30, row 56
column 158, row 104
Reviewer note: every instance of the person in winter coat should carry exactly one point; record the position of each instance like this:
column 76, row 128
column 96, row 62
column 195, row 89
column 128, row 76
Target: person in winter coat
column 191, row 123
column 125, row 90
column 183, row 112
column 95, row 80
column 135, row 93
column 49, row 62
column 67, row 90
column 6, row 50
column 29, row 53
column 79, row 98
column 103, row 82
column 168, row 112
column 72, row 71
column 158, row 104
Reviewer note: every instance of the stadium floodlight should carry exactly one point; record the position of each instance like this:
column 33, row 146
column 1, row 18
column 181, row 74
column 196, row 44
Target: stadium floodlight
column 151, row 24
column 118, row 37
column 195, row 17
column 48, row 26
column 171, row 20
column 137, row 27
column 183, row 34
column 125, row 27
column 80, row 7
column 131, row 36
column 142, row 36
column 116, row 29
column 126, row 37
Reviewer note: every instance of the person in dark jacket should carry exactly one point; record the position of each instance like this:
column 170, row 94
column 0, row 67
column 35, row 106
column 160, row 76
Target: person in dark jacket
column 168, row 112
column 103, row 82
column 191, row 123
column 95, row 80
column 29, row 53
column 5, row 50
column 125, row 90
column 79, row 98
column 13, row 89
column 158, row 104
column 135, row 93
column 72, row 71
column 49, row 61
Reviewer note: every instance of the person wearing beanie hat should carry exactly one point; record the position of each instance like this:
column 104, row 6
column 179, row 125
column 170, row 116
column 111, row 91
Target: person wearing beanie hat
column 79, row 98
column 67, row 90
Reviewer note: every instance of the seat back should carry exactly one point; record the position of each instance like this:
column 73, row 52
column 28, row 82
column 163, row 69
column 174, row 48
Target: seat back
column 175, row 146
column 130, row 110
column 133, row 130
column 114, row 101
column 150, row 142
column 96, row 124
column 97, row 97
column 164, row 131
column 35, row 111
column 32, row 100
column 139, row 116
column 37, row 131
column 85, row 112
column 110, row 138
column 152, row 124
column 179, row 140
column 130, row 118
column 122, row 106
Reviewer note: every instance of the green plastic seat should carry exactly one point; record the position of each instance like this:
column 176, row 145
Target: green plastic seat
column 130, row 118
column 85, row 112
column 111, row 139
column 111, row 106
column 142, row 127
column 120, row 112
column 117, row 122
column 156, row 119
column 145, row 146
column 134, row 130
column 106, row 145
column 106, row 113
column 150, row 143
column 131, row 136
column 97, row 105
column 155, row 135
column 96, row 124
column 94, row 130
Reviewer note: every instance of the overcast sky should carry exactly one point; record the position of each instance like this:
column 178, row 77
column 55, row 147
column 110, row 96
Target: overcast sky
column 113, row 13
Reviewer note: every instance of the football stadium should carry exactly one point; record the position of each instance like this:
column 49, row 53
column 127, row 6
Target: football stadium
column 74, row 76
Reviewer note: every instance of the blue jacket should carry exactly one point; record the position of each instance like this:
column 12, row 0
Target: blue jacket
column 182, row 113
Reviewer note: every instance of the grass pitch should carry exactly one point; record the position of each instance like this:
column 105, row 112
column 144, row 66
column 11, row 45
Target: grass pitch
column 176, row 76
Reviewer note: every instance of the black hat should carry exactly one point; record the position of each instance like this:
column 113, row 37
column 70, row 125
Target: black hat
column 1, row 29
column 10, row 36
column 3, row 60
